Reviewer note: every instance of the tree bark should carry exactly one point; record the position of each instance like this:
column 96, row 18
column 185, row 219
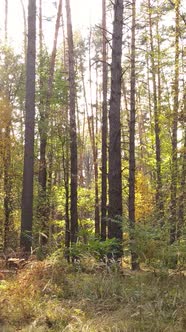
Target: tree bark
column 96, row 176
column 174, row 164
column 28, row 172
column 115, row 181
column 43, row 208
column 104, row 127
column 156, row 105
column 73, row 133
column 93, row 144
column 182, row 200
column 65, row 155
column 8, row 194
column 132, row 161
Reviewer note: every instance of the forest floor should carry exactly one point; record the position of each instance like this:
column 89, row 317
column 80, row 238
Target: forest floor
column 54, row 296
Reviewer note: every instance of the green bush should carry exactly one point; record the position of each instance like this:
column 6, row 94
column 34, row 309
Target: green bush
column 152, row 245
column 94, row 247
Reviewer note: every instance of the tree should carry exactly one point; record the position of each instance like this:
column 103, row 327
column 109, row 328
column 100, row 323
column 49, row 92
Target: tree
column 8, row 194
column 174, row 162
column 28, row 171
column 93, row 139
column 181, row 210
column 65, row 152
column 156, row 106
column 73, row 134
column 44, row 110
column 12, row 87
column 104, row 126
column 115, row 185
column 132, row 121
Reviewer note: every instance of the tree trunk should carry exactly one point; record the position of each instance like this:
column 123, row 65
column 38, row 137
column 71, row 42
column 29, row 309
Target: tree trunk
column 104, row 127
column 159, row 198
column 65, row 163
column 182, row 195
column 132, row 161
column 174, row 164
column 65, row 155
column 8, row 195
column 95, row 129
column 93, row 144
column 7, row 189
column 43, row 208
column 115, row 181
column 28, row 172
column 182, row 200
column 73, row 133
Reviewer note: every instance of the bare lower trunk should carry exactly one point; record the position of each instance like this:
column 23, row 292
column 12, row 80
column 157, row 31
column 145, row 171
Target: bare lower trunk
column 182, row 197
column 73, row 134
column 43, row 208
column 28, row 172
column 174, row 165
column 93, row 144
column 132, row 161
column 104, row 128
column 159, row 198
column 8, row 195
column 115, row 183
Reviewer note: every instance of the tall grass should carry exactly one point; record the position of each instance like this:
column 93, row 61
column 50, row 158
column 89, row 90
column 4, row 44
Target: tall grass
column 52, row 296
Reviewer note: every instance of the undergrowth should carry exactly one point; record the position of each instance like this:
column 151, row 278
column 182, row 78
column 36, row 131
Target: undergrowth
column 54, row 296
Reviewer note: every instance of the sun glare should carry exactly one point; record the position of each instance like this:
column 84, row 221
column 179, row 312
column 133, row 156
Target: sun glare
column 84, row 14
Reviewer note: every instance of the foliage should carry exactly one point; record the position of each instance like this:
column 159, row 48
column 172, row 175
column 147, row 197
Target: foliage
column 144, row 197
column 151, row 243
column 95, row 294
column 12, row 75
column 95, row 248
column 85, row 202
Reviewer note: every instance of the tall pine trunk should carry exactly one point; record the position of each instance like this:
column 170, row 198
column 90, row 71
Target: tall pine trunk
column 65, row 154
column 43, row 207
column 93, row 139
column 182, row 195
column 132, row 162
column 115, row 180
column 73, row 133
column 8, row 209
column 156, row 106
column 28, row 172
column 96, row 175
column 104, row 127
column 174, row 164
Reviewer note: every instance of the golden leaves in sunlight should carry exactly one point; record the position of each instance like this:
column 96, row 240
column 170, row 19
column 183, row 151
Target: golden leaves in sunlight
column 5, row 113
column 144, row 197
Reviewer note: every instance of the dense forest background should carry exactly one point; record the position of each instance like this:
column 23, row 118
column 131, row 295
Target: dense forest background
column 92, row 133
column 93, row 166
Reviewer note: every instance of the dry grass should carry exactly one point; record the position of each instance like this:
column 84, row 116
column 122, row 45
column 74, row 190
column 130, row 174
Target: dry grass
column 52, row 296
